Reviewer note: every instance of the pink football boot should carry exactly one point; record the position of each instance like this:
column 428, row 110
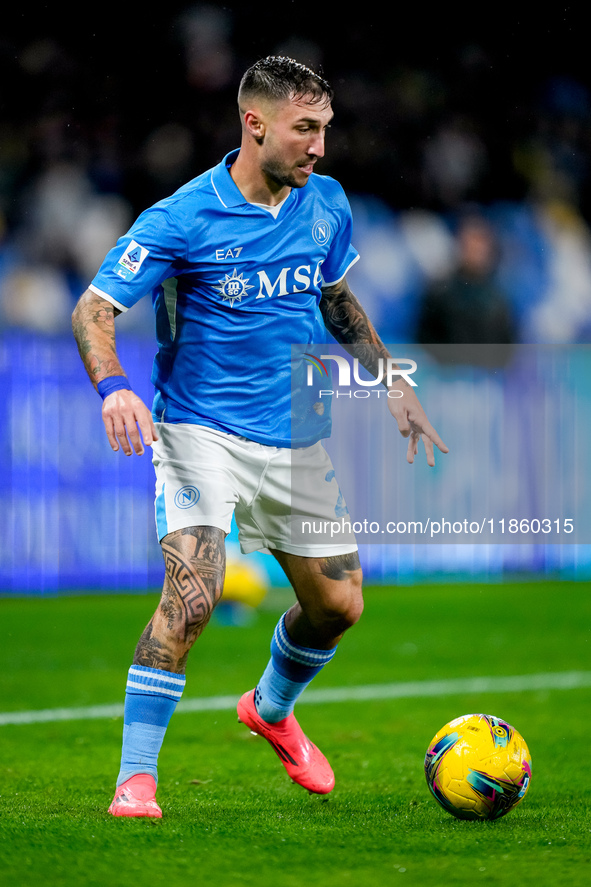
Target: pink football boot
column 303, row 761
column 136, row 797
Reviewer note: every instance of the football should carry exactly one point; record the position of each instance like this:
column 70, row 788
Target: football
column 478, row 767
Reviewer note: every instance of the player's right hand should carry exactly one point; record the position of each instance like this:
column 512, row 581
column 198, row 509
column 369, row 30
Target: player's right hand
column 128, row 422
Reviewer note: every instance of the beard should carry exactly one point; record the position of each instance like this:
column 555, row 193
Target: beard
column 284, row 175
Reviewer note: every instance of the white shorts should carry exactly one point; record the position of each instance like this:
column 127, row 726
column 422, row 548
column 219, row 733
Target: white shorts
column 284, row 499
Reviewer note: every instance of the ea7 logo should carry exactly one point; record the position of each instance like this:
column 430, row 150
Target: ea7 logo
column 228, row 253
column 388, row 370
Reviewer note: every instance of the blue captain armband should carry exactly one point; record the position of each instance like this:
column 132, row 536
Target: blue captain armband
column 111, row 384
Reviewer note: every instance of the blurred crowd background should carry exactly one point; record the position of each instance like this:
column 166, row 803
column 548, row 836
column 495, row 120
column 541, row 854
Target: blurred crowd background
column 462, row 138
column 463, row 145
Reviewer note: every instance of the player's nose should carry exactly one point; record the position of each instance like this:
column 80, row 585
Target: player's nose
column 316, row 146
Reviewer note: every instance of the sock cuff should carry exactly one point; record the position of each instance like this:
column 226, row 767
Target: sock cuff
column 144, row 680
column 305, row 656
column 289, row 672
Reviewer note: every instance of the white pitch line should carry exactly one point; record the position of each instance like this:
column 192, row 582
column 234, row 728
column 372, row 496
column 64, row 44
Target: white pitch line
column 564, row 680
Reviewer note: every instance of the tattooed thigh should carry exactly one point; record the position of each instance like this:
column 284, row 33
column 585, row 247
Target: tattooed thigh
column 340, row 566
column 194, row 560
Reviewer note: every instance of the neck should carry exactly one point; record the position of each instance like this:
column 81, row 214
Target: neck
column 254, row 185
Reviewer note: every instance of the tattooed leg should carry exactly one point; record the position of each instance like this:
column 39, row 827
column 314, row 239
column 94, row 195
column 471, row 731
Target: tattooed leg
column 329, row 597
column 305, row 639
column 194, row 560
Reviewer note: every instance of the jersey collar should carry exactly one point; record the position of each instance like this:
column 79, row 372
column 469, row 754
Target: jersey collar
column 228, row 192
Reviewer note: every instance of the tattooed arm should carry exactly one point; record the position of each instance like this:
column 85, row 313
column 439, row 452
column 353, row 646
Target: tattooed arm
column 346, row 320
column 93, row 325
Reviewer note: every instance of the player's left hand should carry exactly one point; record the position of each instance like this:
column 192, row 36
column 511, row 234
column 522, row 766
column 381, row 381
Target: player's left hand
column 413, row 423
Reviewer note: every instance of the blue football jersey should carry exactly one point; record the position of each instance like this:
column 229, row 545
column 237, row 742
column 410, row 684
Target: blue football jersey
column 233, row 288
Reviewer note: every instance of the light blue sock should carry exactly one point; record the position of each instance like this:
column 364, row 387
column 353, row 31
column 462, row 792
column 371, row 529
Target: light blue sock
column 150, row 700
column 288, row 673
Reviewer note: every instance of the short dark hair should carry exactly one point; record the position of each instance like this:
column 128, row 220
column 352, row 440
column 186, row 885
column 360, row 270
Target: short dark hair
column 278, row 78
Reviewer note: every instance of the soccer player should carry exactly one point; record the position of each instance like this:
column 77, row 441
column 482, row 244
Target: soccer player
column 241, row 262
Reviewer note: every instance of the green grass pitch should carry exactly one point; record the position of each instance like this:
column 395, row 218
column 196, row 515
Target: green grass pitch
column 231, row 815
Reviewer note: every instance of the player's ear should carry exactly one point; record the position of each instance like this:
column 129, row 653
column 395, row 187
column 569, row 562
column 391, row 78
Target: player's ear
column 254, row 125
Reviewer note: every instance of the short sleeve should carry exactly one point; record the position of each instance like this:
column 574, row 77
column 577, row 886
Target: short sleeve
column 145, row 257
column 342, row 254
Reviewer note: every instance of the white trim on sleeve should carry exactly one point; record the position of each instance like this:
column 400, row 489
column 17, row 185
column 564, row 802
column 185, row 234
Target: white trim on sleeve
column 108, row 298
column 343, row 275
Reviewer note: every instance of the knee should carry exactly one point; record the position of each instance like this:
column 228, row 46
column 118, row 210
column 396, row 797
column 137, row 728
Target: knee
column 343, row 610
column 353, row 605
column 194, row 562
column 188, row 609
